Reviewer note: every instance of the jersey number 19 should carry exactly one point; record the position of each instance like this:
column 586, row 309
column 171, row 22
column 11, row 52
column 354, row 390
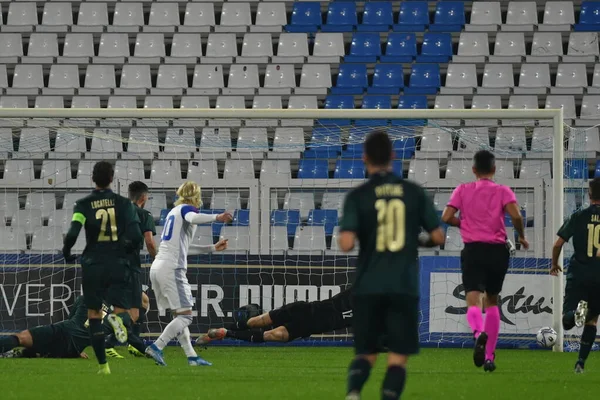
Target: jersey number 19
column 593, row 241
column 106, row 217
column 391, row 233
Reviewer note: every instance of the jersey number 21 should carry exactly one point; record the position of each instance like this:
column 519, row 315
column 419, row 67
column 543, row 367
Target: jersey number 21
column 108, row 221
column 391, row 233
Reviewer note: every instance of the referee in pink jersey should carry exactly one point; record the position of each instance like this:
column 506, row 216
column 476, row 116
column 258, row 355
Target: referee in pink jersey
column 485, row 257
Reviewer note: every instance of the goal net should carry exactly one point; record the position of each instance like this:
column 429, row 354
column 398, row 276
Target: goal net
column 284, row 174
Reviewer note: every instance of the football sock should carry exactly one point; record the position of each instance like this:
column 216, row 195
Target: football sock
column 475, row 320
column 111, row 341
column 587, row 341
column 136, row 329
column 174, row 329
column 253, row 335
column 568, row 320
column 492, row 328
column 97, row 336
column 137, row 342
column 185, row 341
column 393, row 384
column 126, row 318
column 358, row 373
column 8, row 343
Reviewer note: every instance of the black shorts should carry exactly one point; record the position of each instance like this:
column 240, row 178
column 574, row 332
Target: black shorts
column 392, row 319
column 577, row 290
column 136, row 289
column 51, row 341
column 484, row 267
column 106, row 280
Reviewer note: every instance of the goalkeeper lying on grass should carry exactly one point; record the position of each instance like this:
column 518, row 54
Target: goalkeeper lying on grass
column 292, row 321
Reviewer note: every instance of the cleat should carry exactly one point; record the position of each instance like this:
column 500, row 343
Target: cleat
column 579, row 367
column 112, row 353
column 198, row 362
column 104, row 369
column 213, row 334
column 15, row 353
column 116, row 323
column 134, row 352
column 479, row 349
column 489, row 366
column 156, row 354
column 353, row 396
column 581, row 313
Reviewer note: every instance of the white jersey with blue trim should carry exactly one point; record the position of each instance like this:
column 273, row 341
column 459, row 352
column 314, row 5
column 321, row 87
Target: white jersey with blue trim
column 178, row 232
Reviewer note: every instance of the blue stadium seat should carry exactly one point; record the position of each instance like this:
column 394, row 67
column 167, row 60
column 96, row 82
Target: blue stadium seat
column 400, row 47
column 424, row 79
column 163, row 216
column 576, row 169
column 354, row 149
column 306, row 17
column 364, row 48
column 349, row 169
column 437, row 48
column 289, row 218
column 597, row 171
column 413, row 16
column 313, row 169
column 398, row 167
column 408, row 103
column 325, row 218
column 351, row 79
column 241, row 218
column 216, row 226
column 387, row 79
column 589, row 18
column 404, row 145
column 377, row 17
column 449, row 17
column 373, row 103
column 342, row 101
column 341, row 17
column 324, row 143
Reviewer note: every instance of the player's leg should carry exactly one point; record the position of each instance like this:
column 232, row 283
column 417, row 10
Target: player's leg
column 94, row 281
column 119, row 296
column 575, row 304
column 137, row 349
column 472, row 279
column 22, row 339
column 588, row 336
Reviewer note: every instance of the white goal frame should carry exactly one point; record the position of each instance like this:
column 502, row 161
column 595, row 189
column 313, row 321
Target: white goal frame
column 556, row 115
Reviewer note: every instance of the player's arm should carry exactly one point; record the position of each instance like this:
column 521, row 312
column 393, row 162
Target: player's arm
column 205, row 249
column 454, row 204
column 133, row 234
column 430, row 222
column 565, row 233
column 349, row 224
column 77, row 221
column 149, row 232
column 191, row 215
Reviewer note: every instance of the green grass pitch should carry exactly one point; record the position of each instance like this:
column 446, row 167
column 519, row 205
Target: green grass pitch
column 297, row 373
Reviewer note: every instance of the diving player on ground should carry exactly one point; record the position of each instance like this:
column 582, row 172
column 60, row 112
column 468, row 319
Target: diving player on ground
column 385, row 215
column 112, row 232
column 582, row 293
column 292, row 321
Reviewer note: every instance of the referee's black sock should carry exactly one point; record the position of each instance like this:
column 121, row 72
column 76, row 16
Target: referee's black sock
column 568, row 320
column 97, row 336
column 393, row 384
column 587, row 341
column 8, row 343
column 358, row 373
column 253, row 335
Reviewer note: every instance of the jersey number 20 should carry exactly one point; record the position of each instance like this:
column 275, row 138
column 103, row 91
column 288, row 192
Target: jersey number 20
column 104, row 215
column 391, row 234
column 593, row 241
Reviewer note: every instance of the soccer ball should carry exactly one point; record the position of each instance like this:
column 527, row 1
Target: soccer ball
column 546, row 337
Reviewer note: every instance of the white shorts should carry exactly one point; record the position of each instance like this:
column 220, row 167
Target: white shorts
column 171, row 288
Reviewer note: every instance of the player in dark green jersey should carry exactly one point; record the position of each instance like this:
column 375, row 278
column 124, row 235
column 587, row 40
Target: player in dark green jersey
column 386, row 215
column 112, row 232
column 582, row 294
column 138, row 194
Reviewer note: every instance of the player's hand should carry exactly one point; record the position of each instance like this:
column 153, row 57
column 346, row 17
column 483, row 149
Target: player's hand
column 221, row 245
column 524, row 243
column 84, row 355
column 69, row 258
column 226, row 217
column 555, row 270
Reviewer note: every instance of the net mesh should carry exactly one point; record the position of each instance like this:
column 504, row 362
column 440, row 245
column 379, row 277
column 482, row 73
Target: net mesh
column 285, row 180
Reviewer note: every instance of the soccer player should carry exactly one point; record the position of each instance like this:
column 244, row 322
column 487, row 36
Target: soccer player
column 582, row 293
column 138, row 194
column 112, row 232
column 485, row 257
column 168, row 271
column 292, row 321
column 386, row 215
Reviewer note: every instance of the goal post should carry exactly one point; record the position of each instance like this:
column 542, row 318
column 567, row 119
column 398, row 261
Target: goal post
column 434, row 146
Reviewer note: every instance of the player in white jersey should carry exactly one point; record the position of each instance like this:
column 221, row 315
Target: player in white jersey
column 168, row 271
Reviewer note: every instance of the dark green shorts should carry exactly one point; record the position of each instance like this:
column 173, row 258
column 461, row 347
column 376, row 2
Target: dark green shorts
column 577, row 290
column 136, row 289
column 106, row 280
column 392, row 319
column 51, row 341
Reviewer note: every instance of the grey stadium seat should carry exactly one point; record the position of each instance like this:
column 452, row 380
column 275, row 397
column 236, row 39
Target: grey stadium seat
column 279, row 79
column 43, row 47
column 57, row 17
column 497, row 79
column 55, row 173
column 275, row 169
column 436, row 140
column 78, row 48
column 27, row 80
column 185, row 48
column 483, row 102
column 314, row 79
column 243, row 79
column 142, row 143
column 215, row 143
column 291, row 48
column 243, row 169
column 485, row 16
column 252, row 143
column 546, row 47
column 270, row 17
column 566, row 102
column 511, row 141
column 199, row 17
column 106, row 144
column 128, row 17
column 200, row 170
column 47, row 240
column 424, row 170
column 309, row 240
column 165, row 173
column 570, row 79
column 279, row 241
column 459, row 171
column 231, row 102
column 18, row 172
column 69, row 144
column 12, row 240
column 471, row 140
column 63, row 80
column 135, row 80
column 22, row 17
column 534, row 79
column 229, row 200
column 509, row 47
column 455, row 102
column 535, row 169
column 49, row 102
column 220, row 48
column 460, row 79
column 595, row 88
column 266, row 102
column 288, row 143
column 590, row 110
column 92, row 17
column 171, row 80
column 9, row 203
column 61, row 220
column 526, row 102
column 156, row 203
column 113, row 49
column 99, row 80
column 256, row 48
column 304, row 202
column 582, row 47
column 238, row 238
column 129, row 171
column 180, row 143
column 85, row 102
column 328, row 48
column 149, row 48
column 33, row 143
column 521, row 16
column 11, row 48
column 584, row 141
column 208, row 79
column 45, row 202
column 558, row 16
column 27, row 220
column 235, row 17
column 84, row 178
column 473, row 47
column 164, row 17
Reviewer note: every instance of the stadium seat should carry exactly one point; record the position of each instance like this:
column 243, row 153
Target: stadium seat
column 291, row 48
column 558, row 16
column 215, row 143
column 546, row 47
column 198, row 17
column 472, row 47
column 567, row 103
column 460, row 79
column 256, row 48
column 400, row 47
column 584, row 141
column 22, row 17
column 11, row 48
column 179, row 144
column 471, row 140
column 454, row 241
column 375, row 102
column 63, row 80
column 149, row 48
column 315, row 79
column 349, row 169
column 511, row 141
column 78, row 48
column 279, row 79
column 194, row 102
column 288, row 218
column 309, row 240
column 590, row 109
column 252, row 143
column 335, row 250
column 441, row 200
column 364, row 47
column 302, row 201
column 582, row 47
column 186, row 47
column 325, row 142
column 91, row 17
column 485, row 16
column 328, row 48
column 243, row 169
column 534, row 79
column 288, row 143
column 387, row 79
column 410, row 102
column 570, row 79
column 313, row 169
column 436, row 48
column 279, row 240
column 542, row 140
column 60, row 219
column 356, row 138
column 341, row 17
column 99, row 80
column 302, row 103
column 235, row 17
column 535, row 169
column 436, row 140
column 306, row 17
column 69, row 144
column 42, row 49
column 270, row 17
column 497, row 79
column 351, row 79
column 325, row 218
column 221, row 48
column 27, row 79
column 521, row 16
column 71, row 197
column 241, row 218
column 459, row 171
column 413, row 16
column 449, row 103
column 208, row 80
column 165, row 173
column 142, row 143
column 597, row 170
column 34, row 143
column 509, row 47
column 229, row 200
column 576, row 169
column 203, row 169
column 135, row 80
column 164, row 17
column 275, row 169
column 156, row 203
column 238, row 238
column 127, row 17
column 424, row 79
column 113, row 48
column 231, row 102
column 377, row 17
column 528, row 102
column 12, row 240
column 44, row 202
column 424, row 170
column 243, row 79
column 171, row 80
column 28, row 220
column 57, row 17
column 129, row 171
column 449, row 17
column 9, row 203
column 50, row 102
column 589, row 17
column 106, row 144
column 55, row 173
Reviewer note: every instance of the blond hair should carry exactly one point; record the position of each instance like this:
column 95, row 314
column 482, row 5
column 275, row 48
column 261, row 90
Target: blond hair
column 189, row 193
